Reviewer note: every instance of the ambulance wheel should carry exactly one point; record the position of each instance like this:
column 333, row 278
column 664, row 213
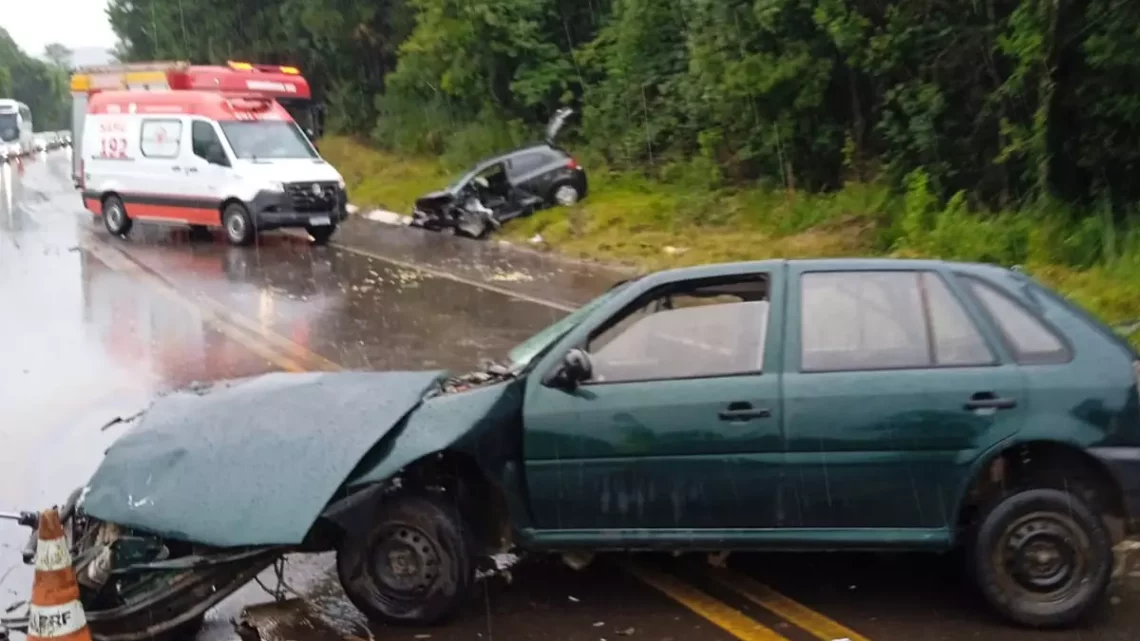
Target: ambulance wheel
column 238, row 225
column 321, row 234
column 115, row 217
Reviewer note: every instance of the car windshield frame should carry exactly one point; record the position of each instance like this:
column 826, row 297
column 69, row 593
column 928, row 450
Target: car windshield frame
column 242, row 152
column 525, row 353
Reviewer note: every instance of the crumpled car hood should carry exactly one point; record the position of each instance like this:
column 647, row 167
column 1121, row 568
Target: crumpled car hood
column 435, row 201
column 251, row 461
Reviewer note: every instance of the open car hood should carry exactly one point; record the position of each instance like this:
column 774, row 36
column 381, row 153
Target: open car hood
column 250, row 461
column 556, row 123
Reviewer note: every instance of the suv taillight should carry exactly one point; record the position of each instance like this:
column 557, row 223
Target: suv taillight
column 571, row 164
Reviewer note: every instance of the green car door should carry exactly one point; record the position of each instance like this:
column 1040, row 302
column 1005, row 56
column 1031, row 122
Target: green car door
column 892, row 388
column 677, row 427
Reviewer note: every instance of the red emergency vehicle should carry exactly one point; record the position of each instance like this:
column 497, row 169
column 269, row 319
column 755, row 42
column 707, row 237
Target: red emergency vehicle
column 284, row 84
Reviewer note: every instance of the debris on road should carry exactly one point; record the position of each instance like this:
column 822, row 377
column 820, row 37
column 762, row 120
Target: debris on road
column 577, row 560
column 719, row 559
column 284, row 621
column 511, row 277
column 387, row 217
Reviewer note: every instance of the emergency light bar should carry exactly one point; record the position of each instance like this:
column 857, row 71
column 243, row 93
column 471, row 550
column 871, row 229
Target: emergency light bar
column 249, row 104
column 246, row 66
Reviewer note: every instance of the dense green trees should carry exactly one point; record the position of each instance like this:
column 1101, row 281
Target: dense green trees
column 1010, row 101
column 41, row 85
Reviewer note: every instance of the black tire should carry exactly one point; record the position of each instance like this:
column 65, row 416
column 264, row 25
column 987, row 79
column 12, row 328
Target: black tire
column 115, row 217
column 434, row 533
column 1017, row 541
column 321, row 233
column 238, row 224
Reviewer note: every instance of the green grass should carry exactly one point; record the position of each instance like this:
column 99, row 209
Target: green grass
column 678, row 218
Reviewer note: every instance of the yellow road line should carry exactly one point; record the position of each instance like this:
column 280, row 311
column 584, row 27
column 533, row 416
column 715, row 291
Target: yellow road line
column 470, row 282
column 722, row 615
column 795, row 613
column 280, row 342
column 118, row 261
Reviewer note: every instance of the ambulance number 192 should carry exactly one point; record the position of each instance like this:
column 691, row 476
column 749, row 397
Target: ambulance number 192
column 113, row 147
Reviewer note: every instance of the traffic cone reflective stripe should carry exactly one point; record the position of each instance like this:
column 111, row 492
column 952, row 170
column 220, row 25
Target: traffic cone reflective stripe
column 55, row 611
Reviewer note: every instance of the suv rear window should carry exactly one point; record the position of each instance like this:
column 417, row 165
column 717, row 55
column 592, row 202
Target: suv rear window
column 528, row 162
column 1031, row 340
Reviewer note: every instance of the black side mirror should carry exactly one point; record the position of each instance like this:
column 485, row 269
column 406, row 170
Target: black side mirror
column 215, row 155
column 575, row 369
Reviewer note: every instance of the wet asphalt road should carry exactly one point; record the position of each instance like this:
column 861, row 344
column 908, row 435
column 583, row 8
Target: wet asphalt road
column 93, row 327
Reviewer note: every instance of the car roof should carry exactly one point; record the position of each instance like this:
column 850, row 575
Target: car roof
column 859, row 264
column 487, row 162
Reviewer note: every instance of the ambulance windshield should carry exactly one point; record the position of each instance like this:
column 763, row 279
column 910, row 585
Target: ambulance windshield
column 9, row 127
column 267, row 140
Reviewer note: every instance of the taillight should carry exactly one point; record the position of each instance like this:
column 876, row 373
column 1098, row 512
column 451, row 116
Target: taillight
column 572, row 164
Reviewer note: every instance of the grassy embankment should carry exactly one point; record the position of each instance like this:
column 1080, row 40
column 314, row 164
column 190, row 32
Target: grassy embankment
column 674, row 219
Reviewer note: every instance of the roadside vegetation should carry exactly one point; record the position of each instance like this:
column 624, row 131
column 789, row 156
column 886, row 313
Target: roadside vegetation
column 673, row 219
column 1003, row 130
column 43, row 85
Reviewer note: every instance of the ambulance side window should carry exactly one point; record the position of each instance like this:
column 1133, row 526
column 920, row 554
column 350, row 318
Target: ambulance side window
column 161, row 138
column 204, row 137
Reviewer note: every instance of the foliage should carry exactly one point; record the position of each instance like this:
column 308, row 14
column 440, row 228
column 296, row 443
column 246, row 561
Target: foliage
column 1007, row 101
column 997, row 130
column 42, row 86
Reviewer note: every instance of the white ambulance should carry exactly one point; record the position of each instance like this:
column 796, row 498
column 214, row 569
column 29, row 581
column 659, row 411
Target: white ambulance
column 205, row 159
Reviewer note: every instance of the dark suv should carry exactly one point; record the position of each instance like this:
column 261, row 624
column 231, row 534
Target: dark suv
column 504, row 187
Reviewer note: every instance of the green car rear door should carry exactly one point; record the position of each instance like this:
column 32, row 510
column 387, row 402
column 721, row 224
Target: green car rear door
column 892, row 389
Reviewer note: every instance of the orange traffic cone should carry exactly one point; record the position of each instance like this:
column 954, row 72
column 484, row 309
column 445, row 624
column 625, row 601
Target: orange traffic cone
column 55, row 612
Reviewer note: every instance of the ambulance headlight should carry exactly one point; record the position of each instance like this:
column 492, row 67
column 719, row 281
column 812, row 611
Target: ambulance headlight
column 340, row 183
column 276, row 187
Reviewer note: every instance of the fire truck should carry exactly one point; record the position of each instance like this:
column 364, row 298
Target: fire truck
column 284, row 84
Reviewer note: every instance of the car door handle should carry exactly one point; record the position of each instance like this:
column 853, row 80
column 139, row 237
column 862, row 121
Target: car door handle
column 990, row 401
column 742, row 411
column 176, row 169
column 191, row 170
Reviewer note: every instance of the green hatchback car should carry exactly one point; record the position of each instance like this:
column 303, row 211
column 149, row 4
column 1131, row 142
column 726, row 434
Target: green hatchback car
column 835, row 405
column 777, row 405
column 819, row 405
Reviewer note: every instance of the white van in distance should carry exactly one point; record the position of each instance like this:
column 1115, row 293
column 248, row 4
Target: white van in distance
column 206, row 160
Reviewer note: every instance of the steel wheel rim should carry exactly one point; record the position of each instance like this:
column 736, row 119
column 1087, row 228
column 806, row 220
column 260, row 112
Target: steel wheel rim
column 1043, row 556
column 405, row 563
column 566, row 195
column 115, row 215
column 235, row 226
